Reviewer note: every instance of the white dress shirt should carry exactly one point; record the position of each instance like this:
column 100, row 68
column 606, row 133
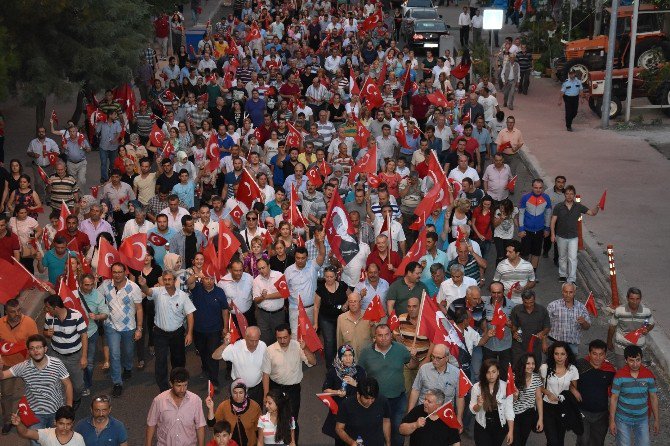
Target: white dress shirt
column 246, row 364
column 238, row 292
column 175, row 222
column 450, row 292
column 261, row 283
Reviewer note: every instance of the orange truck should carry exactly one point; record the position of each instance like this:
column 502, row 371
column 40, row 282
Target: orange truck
column 652, row 46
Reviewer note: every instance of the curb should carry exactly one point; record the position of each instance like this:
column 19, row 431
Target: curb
column 593, row 271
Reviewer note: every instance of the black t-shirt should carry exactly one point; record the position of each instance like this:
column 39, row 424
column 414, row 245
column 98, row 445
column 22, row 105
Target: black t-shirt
column 433, row 433
column 364, row 422
column 594, row 385
column 331, row 303
column 128, row 179
column 281, row 265
column 167, row 183
column 474, row 197
column 4, row 176
column 191, row 249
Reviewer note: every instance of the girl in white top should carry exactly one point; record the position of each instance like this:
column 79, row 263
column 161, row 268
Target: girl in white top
column 558, row 375
column 277, row 426
column 492, row 407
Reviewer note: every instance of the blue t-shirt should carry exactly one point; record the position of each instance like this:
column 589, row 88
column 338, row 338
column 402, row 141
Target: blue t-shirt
column 55, row 264
column 160, row 251
column 256, row 111
column 186, row 193
column 113, row 434
column 209, row 305
column 278, row 172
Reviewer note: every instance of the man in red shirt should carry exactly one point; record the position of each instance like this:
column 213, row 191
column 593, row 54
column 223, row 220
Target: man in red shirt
column 162, row 29
column 72, row 232
column 471, row 145
column 9, row 243
column 290, row 90
column 384, row 258
column 420, row 105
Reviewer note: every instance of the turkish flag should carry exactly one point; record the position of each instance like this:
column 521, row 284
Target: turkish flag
column 375, row 311
column 372, row 21
column 236, row 214
column 634, row 336
column 591, row 305
column 353, row 88
column 234, row 331
column 325, row 169
column 328, row 400
column 254, row 33
column 447, row 414
column 503, row 146
column 241, row 319
column 267, row 239
column 417, row 251
column 511, row 385
column 168, row 149
column 213, row 152
column 282, row 287
column 419, row 223
column 43, row 175
column 28, row 417
column 94, row 191
column 464, row 384
column 13, row 279
column 511, row 184
column 601, row 203
column 71, row 301
column 210, row 389
column 367, row 163
column 393, row 322
column 362, row 134
column 374, row 181
column 306, row 330
column 382, row 74
column 437, row 99
column 499, row 321
column 211, row 266
column 294, row 137
column 363, row 275
column 53, row 158
column 370, row 92
column 228, row 245
column 531, row 343
column 401, row 135
column 339, row 231
column 300, row 242
column 107, row 256
column 12, row 348
column 64, row 212
column 247, row 189
column 514, row 286
column 156, row 239
column 133, row 250
column 314, row 177
column 295, row 217
column 45, row 241
column 429, row 318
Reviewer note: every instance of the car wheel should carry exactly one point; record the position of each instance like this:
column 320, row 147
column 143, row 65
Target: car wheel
column 649, row 57
column 595, row 104
column 615, row 106
column 580, row 66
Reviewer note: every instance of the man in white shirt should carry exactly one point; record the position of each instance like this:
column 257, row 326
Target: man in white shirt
column 464, row 22
column 477, row 23
column 464, row 171
column 332, row 63
column 246, row 356
column 455, row 287
column 174, row 212
column 137, row 225
column 238, row 285
column 269, row 301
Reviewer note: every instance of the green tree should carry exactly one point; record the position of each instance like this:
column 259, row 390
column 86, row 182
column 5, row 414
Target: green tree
column 63, row 46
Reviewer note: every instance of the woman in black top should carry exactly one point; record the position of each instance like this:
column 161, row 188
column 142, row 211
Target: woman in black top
column 281, row 260
column 341, row 382
column 331, row 295
column 337, row 111
column 152, row 273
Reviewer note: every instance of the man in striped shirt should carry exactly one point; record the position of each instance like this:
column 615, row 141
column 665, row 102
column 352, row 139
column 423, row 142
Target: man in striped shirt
column 69, row 340
column 62, row 187
column 515, row 273
column 47, row 381
column 634, row 392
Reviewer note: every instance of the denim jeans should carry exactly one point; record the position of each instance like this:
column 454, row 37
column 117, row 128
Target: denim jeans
column 328, row 329
column 121, row 351
column 398, row 407
column 107, row 158
column 88, row 372
column 567, row 257
column 476, row 363
column 46, row 420
column 626, row 431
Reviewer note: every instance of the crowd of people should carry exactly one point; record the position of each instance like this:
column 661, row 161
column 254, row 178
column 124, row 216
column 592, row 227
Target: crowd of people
column 275, row 87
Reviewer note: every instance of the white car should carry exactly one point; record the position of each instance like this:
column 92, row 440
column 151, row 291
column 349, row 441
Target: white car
column 422, row 4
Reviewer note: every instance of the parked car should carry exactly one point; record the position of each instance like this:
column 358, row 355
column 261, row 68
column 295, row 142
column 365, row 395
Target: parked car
column 416, row 14
column 425, row 34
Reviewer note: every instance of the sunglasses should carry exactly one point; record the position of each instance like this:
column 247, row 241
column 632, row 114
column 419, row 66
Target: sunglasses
column 252, row 218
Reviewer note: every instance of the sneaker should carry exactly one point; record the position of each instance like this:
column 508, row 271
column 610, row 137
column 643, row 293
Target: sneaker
column 562, row 279
column 7, row 428
column 117, row 391
column 86, row 392
column 127, row 374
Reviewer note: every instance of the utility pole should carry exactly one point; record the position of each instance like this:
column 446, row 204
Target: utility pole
column 598, row 21
column 607, row 96
column 631, row 57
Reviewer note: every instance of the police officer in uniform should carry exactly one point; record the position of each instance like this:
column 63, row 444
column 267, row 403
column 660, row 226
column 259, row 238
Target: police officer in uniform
column 570, row 91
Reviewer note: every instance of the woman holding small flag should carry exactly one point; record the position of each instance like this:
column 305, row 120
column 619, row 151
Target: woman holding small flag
column 493, row 408
column 240, row 411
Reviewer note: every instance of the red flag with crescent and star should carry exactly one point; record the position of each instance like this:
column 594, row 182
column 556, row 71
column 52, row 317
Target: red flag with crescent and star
column 28, row 417
column 634, row 336
column 314, row 177
column 327, row 399
column 417, row 251
column 12, row 280
column 236, row 214
column 393, row 322
column 306, row 330
column 213, row 152
column 228, row 245
column 107, row 256
column 210, row 267
column 282, row 287
column 511, row 385
column 156, row 239
column 370, row 92
column 12, row 348
column 339, row 231
column 372, row 21
column 234, row 331
column 367, row 163
column 375, row 311
column 247, row 189
column 64, row 212
column 464, row 384
column 447, row 414
column 71, row 300
column 499, row 320
column 133, row 250
column 156, row 136
column 591, row 305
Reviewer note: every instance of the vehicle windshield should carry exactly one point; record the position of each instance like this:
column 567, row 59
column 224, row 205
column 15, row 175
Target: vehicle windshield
column 429, row 26
column 425, row 14
column 419, row 4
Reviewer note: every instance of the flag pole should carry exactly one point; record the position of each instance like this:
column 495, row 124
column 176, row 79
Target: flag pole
column 35, row 279
column 390, row 240
column 418, row 321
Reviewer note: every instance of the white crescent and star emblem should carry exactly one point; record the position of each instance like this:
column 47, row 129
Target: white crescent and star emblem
column 23, row 408
column 109, row 262
column 326, row 401
column 227, row 238
column 368, row 90
column 5, row 347
column 448, row 413
column 143, row 250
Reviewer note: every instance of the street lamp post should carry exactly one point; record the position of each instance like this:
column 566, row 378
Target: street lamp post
column 492, row 20
column 607, row 96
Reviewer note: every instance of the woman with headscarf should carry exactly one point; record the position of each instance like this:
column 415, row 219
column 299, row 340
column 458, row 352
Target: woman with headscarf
column 240, row 411
column 341, row 381
column 172, row 262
